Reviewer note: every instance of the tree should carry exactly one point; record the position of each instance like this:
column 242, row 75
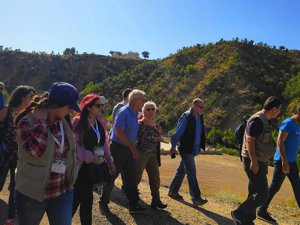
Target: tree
column 69, row 51
column 111, row 52
column 145, row 54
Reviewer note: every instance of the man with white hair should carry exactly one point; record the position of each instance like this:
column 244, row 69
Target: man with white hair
column 124, row 152
column 2, row 96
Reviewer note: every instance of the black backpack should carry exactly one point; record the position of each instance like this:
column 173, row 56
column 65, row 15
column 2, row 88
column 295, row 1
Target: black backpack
column 239, row 134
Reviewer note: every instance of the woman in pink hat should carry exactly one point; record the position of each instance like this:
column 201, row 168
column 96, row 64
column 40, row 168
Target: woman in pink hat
column 92, row 149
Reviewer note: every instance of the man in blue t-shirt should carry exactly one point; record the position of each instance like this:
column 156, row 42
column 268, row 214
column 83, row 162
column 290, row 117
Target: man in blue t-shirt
column 285, row 160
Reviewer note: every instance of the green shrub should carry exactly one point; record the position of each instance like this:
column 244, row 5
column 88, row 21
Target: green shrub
column 228, row 151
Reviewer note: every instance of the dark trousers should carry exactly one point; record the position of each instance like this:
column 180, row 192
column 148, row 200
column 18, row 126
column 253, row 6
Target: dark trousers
column 11, row 188
column 278, row 178
column 258, row 191
column 83, row 196
column 124, row 162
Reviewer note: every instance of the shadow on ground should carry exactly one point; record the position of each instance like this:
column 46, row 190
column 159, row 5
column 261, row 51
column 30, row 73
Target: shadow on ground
column 214, row 216
column 150, row 216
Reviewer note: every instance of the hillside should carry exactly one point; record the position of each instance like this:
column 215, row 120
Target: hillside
column 41, row 69
column 234, row 78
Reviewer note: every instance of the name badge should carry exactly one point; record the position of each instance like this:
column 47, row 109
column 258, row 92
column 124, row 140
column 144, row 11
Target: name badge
column 59, row 166
column 99, row 151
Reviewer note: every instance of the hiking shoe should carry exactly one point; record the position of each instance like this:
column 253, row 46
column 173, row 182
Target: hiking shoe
column 175, row 196
column 236, row 220
column 104, row 209
column 136, row 209
column 158, row 205
column 265, row 216
column 199, row 202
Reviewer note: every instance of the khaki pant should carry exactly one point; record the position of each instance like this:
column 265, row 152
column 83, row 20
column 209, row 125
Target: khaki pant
column 149, row 161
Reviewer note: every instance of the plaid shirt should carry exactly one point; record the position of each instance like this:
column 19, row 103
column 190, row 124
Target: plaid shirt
column 34, row 140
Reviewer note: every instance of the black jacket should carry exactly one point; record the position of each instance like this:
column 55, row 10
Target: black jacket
column 187, row 139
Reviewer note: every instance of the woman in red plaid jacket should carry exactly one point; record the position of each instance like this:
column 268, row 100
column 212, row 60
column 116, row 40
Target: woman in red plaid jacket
column 47, row 167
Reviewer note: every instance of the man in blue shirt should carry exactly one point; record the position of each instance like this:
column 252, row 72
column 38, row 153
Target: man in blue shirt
column 2, row 96
column 124, row 152
column 190, row 137
column 285, row 162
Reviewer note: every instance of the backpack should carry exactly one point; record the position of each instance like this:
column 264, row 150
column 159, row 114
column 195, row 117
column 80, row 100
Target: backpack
column 239, row 134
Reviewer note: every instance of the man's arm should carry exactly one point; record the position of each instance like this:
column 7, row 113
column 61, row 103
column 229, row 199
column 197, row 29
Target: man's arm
column 253, row 130
column 178, row 133
column 125, row 140
column 250, row 144
column 280, row 143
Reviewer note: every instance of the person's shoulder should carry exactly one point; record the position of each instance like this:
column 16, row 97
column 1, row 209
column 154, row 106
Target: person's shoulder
column 186, row 113
column 288, row 122
column 256, row 120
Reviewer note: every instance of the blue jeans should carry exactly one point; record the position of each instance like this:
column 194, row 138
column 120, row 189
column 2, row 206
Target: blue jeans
column 278, row 178
column 187, row 166
column 31, row 212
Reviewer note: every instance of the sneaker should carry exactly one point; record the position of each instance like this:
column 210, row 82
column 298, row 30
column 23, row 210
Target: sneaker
column 199, row 202
column 10, row 222
column 236, row 220
column 265, row 216
column 104, row 209
column 158, row 205
column 135, row 209
column 175, row 196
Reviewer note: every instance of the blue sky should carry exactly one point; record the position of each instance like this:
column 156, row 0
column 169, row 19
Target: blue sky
column 160, row 27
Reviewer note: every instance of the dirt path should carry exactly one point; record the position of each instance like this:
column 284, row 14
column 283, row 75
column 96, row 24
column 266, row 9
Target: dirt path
column 222, row 182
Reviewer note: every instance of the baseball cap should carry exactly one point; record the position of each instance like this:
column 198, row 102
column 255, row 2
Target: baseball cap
column 64, row 93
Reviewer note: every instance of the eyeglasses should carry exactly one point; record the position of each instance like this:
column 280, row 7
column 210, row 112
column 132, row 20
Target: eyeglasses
column 150, row 109
column 98, row 105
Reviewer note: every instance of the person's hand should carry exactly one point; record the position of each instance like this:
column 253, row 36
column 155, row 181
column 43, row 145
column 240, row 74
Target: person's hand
column 40, row 114
column 172, row 151
column 157, row 139
column 285, row 167
column 158, row 128
column 254, row 166
column 135, row 152
column 112, row 169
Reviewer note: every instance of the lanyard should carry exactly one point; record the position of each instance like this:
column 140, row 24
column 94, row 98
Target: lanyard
column 62, row 142
column 96, row 130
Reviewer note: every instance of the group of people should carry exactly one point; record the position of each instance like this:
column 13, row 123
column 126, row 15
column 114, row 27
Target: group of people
column 55, row 156
column 257, row 149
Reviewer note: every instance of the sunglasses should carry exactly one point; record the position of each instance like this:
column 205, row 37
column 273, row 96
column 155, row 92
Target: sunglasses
column 150, row 109
column 98, row 105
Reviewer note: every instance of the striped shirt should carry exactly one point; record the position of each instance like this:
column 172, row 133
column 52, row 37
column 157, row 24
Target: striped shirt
column 34, row 140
